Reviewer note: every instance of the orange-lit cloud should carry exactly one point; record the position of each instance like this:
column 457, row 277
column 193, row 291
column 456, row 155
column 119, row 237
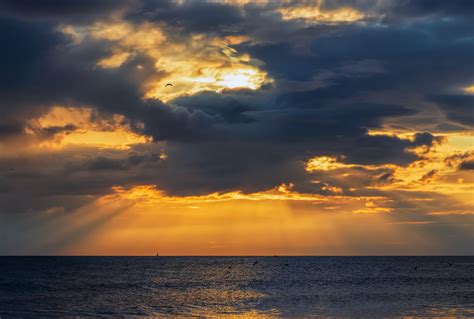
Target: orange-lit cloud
column 187, row 65
column 324, row 163
column 314, row 14
column 371, row 208
column 309, row 11
column 89, row 129
column 329, row 163
column 150, row 194
column 437, row 171
column 433, row 170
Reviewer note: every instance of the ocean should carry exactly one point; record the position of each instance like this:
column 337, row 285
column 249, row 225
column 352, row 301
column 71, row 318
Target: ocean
column 241, row 287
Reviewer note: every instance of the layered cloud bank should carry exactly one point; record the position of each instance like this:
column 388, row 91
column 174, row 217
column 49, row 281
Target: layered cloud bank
column 156, row 122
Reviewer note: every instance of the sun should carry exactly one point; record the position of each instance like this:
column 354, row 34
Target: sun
column 240, row 78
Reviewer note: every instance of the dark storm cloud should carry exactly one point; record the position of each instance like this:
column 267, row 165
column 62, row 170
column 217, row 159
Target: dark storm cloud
column 458, row 108
column 455, row 159
column 51, row 131
column 62, row 11
column 467, row 165
column 10, row 129
column 104, row 163
column 231, row 108
column 413, row 8
column 315, row 129
column 191, row 16
column 26, row 48
column 415, row 60
column 418, row 57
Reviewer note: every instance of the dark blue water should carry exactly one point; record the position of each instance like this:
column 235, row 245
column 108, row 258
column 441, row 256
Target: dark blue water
column 237, row 286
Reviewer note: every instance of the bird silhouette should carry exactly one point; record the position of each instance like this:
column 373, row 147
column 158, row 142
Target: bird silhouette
column 168, row 84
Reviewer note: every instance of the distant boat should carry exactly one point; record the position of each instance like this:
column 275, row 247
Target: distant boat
column 157, row 255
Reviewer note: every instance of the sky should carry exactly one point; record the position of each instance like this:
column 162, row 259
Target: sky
column 233, row 127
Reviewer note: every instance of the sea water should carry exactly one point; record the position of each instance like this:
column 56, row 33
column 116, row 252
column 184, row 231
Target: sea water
column 364, row 287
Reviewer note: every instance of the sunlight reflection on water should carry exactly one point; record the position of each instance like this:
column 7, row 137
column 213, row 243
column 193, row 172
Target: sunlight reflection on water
column 237, row 287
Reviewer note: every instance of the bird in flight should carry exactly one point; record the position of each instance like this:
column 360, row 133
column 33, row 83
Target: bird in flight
column 168, row 84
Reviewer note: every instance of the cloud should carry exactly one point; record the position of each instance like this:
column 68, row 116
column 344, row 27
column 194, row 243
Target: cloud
column 255, row 95
column 458, row 108
column 191, row 16
column 424, row 8
column 63, row 11
column 467, row 165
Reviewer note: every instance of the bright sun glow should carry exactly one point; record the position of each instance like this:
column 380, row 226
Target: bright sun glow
column 323, row 163
column 240, row 79
column 469, row 89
